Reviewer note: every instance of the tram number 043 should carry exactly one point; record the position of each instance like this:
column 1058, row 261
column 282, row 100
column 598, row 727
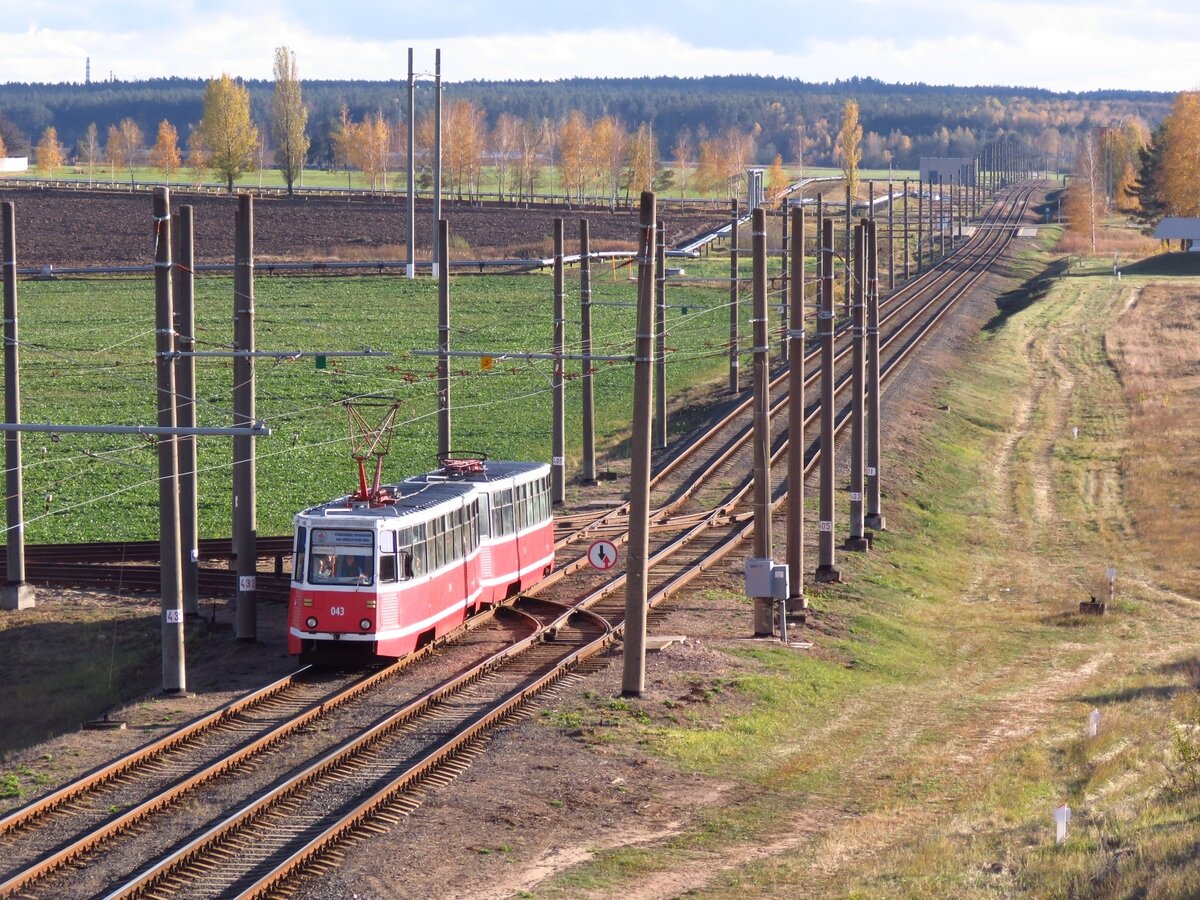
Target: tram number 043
column 337, row 610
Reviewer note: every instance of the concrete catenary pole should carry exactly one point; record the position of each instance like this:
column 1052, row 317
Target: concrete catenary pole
column 437, row 155
column 858, row 386
column 558, row 427
column 941, row 217
column 660, row 339
column 921, row 221
column 764, row 619
column 797, row 602
column 891, row 236
column 445, row 442
column 17, row 594
column 734, row 287
column 185, row 410
column 633, row 681
column 410, row 267
column 826, row 571
column 245, row 512
column 784, row 272
column 585, row 340
column 847, row 250
column 907, row 250
column 874, row 515
column 174, row 673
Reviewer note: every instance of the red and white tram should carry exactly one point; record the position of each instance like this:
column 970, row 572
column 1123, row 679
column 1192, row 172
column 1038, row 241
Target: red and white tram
column 385, row 574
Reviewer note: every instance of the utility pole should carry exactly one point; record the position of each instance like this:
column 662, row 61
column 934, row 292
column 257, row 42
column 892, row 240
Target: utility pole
column 445, row 435
column 941, row 215
column 733, row 302
column 585, row 341
column 857, row 540
column 783, row 283
column 921, row 219
column 410, row 267
column 764, row 618
column 245, row 513
column 17, row 594
column 891, row 236
column 848, row 251
column 907, row 271
column 558, row 449
column 660, row 339
column 174, row 670
column 185, row 411
column 826, row 572
column 797, row 602
column 874, row 516
column 437, row 156
column 633, row 682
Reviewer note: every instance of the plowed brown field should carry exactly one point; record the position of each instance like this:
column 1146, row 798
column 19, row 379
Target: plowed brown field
column 61, row 227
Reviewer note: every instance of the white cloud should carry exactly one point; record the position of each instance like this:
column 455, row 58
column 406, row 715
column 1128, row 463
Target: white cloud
column 1061, row 45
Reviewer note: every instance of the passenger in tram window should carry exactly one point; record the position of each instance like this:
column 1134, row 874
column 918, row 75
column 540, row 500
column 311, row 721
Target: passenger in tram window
column 326, row 565
column 354, row 568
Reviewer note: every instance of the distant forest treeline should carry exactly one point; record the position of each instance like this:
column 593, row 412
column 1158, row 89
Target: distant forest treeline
column 787, row 117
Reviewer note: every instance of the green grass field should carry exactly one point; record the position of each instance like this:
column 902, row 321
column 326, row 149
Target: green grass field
column 87, row 358
column 271, row 178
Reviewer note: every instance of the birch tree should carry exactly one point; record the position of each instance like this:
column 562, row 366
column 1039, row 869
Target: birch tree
column 227, row 131
column 48, row 154
column 1179, row 180
column 88, row 151
column 164, row 155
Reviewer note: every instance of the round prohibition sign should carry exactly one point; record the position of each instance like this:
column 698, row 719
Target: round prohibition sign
column 602, row 555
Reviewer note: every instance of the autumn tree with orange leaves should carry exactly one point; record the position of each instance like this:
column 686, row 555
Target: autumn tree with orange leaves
column 1179, row 177
column 164, row 155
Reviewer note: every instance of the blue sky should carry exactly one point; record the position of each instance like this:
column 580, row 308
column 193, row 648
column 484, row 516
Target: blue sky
column 1057, row 44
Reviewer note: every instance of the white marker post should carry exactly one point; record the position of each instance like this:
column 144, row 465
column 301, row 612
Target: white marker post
column 1112, row 584
column 1093, row 723
column 1062, row 815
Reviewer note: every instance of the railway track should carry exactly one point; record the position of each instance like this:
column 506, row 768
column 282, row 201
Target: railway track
column 376, row 773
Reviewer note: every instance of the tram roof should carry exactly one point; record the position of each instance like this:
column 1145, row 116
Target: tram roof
column 409, row 496
column 424, row 492
column 494, row 470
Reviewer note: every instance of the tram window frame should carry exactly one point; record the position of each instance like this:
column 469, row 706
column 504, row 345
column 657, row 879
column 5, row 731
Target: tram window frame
column 419, row 561
column 388, row 564
column 507, row 510
column 299, row 553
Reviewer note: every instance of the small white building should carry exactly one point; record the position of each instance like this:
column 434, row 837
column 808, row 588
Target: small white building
column 1180, row 228
column 950, row 169
column 14, row 163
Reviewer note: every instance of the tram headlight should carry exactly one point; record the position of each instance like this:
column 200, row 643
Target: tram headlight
column 365, row 624
column 311, row 621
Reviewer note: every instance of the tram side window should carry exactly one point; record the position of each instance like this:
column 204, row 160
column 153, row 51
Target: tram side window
column 502, row 512
column 420, row 551
column 521, row 510
column 438, row 539
column 298, row 555
column 508, row 511
column 388, row 569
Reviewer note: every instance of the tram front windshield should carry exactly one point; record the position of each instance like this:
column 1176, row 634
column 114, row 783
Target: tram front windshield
column 341, row 556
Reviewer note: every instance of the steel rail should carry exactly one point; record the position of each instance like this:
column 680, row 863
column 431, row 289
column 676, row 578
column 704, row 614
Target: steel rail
column 673, row 583
column 127, row 765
